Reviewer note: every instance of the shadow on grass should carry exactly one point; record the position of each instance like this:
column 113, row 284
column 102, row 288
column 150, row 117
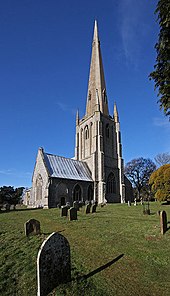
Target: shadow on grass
column 99, row 269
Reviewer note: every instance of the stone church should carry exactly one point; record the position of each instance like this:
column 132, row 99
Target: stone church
column 97, row 170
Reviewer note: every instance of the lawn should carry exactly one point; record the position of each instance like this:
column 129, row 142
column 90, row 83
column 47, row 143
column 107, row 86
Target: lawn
column 115, row 251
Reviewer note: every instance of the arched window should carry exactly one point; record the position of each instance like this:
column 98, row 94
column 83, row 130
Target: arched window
column 107, row 131
column 111, row 184
column 77, row 193
column 39, row 183
column 86, row 132
column 90, row 192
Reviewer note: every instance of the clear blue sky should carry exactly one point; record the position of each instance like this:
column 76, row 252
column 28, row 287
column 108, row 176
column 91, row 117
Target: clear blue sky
column 45, row 49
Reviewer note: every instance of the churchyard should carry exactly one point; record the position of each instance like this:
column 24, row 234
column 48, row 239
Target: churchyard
column 116, row 251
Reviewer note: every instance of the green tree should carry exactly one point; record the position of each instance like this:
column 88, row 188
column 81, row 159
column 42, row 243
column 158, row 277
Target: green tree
column 138, row 171
column 161, row 73
column 160, row 183
column 10, row 195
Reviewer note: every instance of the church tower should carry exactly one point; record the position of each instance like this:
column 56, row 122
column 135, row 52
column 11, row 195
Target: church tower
column 98, row 138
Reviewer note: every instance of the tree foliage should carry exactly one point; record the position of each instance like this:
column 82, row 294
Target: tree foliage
column 10, row 195
column 161, row 73
column 160, row 183
column 138, row 171
column 162, row 158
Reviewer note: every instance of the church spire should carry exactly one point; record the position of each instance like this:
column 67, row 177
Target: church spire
column 96, row 79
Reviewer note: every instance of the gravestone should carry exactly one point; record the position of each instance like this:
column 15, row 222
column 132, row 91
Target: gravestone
column 76, row 205
column 53, row 263
column 93, row 208
column 129, row 203
column 163, row 222
column 135, row 202
column 72, row 214
column 32, row 226
column 87, row 208
column 64, row 211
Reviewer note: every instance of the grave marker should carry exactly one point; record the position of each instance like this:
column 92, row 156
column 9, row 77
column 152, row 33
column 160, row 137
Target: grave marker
column 72, row 214
column 53, row 263
column 163, row 222
column 32, row 226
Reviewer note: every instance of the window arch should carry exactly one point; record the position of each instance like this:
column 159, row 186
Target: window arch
column 86, row 132
column 39, row 183
column 77, row 193
column 111, row 184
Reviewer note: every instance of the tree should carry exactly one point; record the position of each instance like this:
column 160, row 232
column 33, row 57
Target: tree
column 161, row 73
column 160, row 183
column 10, row 195
column 138, row 172
column 162, row 158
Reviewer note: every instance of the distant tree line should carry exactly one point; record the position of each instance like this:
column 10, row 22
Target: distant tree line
column 147, row 181
column 10, row 196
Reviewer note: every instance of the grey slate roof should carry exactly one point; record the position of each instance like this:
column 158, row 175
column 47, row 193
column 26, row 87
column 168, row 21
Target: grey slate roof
column 67, row 168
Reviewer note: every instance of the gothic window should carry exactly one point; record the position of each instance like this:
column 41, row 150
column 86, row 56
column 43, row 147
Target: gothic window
column 90, row 192
column 39, row 183
column 111, row 184
column 77, row 193
column 107, row 131
column 86, row 132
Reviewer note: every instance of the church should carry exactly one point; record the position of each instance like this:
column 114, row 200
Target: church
column 97, row 170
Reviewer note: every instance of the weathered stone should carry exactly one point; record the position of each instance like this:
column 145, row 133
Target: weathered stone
column 64, row 211
column 53, row 263
column 163, row 222
column 129, row 203
column 72, row 214
column 87, row 208
column 32, row 226
column 76, row 205
column 93, row 210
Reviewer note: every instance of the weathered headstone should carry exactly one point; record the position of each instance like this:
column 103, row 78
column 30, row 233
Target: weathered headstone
column 93, row 208
column 129, row 203
column 53, row 263
column 163, row 222
column 76, row 205
column 72, row 214
column 64, row 211
column 135, row 202
column 32, row 226
column 87, row 208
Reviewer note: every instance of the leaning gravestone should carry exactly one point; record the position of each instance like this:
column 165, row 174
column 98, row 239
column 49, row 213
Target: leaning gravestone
column 87, row 208
column 72, row 214
column 163, row 222
column 53, row 263
column 64, row 211
column 32, row 226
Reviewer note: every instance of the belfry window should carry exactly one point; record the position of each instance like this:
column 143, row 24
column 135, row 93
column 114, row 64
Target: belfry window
column 86, row 132
column 111, row 184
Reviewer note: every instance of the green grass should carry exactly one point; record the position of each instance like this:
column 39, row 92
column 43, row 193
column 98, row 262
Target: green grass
column 95, row 240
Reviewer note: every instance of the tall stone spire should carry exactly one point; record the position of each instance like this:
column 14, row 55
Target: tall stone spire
column 96, row 79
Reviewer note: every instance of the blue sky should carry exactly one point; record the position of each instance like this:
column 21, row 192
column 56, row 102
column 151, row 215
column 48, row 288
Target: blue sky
column 44, row 66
